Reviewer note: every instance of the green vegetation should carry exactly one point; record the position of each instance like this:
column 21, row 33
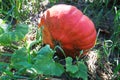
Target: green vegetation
column 24, row 59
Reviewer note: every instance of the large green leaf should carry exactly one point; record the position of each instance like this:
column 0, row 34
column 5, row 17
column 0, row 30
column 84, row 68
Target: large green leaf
column 78, row 70
column 82, row 72
column 3, row 66
column 70, row 67
column 17, row 34
column 20, row 59
column 45, row 64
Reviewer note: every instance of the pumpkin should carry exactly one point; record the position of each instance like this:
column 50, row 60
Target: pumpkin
column 69, row 27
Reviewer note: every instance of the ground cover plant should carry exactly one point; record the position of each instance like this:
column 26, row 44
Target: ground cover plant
column 24, row 56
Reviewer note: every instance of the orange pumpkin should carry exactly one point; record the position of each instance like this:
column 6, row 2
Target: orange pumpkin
column 68, row 26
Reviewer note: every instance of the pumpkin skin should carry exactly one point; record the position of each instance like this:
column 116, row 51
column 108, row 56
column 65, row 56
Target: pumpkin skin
column 69, row 27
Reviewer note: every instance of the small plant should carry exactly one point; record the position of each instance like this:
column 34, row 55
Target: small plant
column 78, row 70
column 9, row 33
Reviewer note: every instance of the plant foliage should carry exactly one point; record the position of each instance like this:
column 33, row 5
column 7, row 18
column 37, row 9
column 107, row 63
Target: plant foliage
column 45, row 64
column 79, row 70
column 12, row 34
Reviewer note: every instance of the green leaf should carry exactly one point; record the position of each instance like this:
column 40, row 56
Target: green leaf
column 3, row 66
column 69, row 67
column 5, row 39
column 18, row 34
column 117, row 69
column 20, row 59
column 117, row 16
column 5, row 69
column 46, row 51
column 1, row 30
column 45, row 64
column 82, row 72
column 78, row 70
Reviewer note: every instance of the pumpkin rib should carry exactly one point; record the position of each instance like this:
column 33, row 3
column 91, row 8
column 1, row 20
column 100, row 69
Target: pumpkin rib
column 89, row 38
column 86, row 29
column 82, row 40
column 88, row 46
column 73, row 12
column 83, row 44
column 80, row 34
column 70, row 33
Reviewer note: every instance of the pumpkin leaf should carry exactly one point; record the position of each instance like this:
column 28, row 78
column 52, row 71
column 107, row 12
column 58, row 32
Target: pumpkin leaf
column 82, row 72
column 78, row 70
column 46, row 51
column 69, row 67
column 20, row 59
column 6, row 38
column 45, row 64
column 3, row 66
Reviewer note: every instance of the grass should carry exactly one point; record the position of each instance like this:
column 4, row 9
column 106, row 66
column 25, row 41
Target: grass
column 23, row 57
